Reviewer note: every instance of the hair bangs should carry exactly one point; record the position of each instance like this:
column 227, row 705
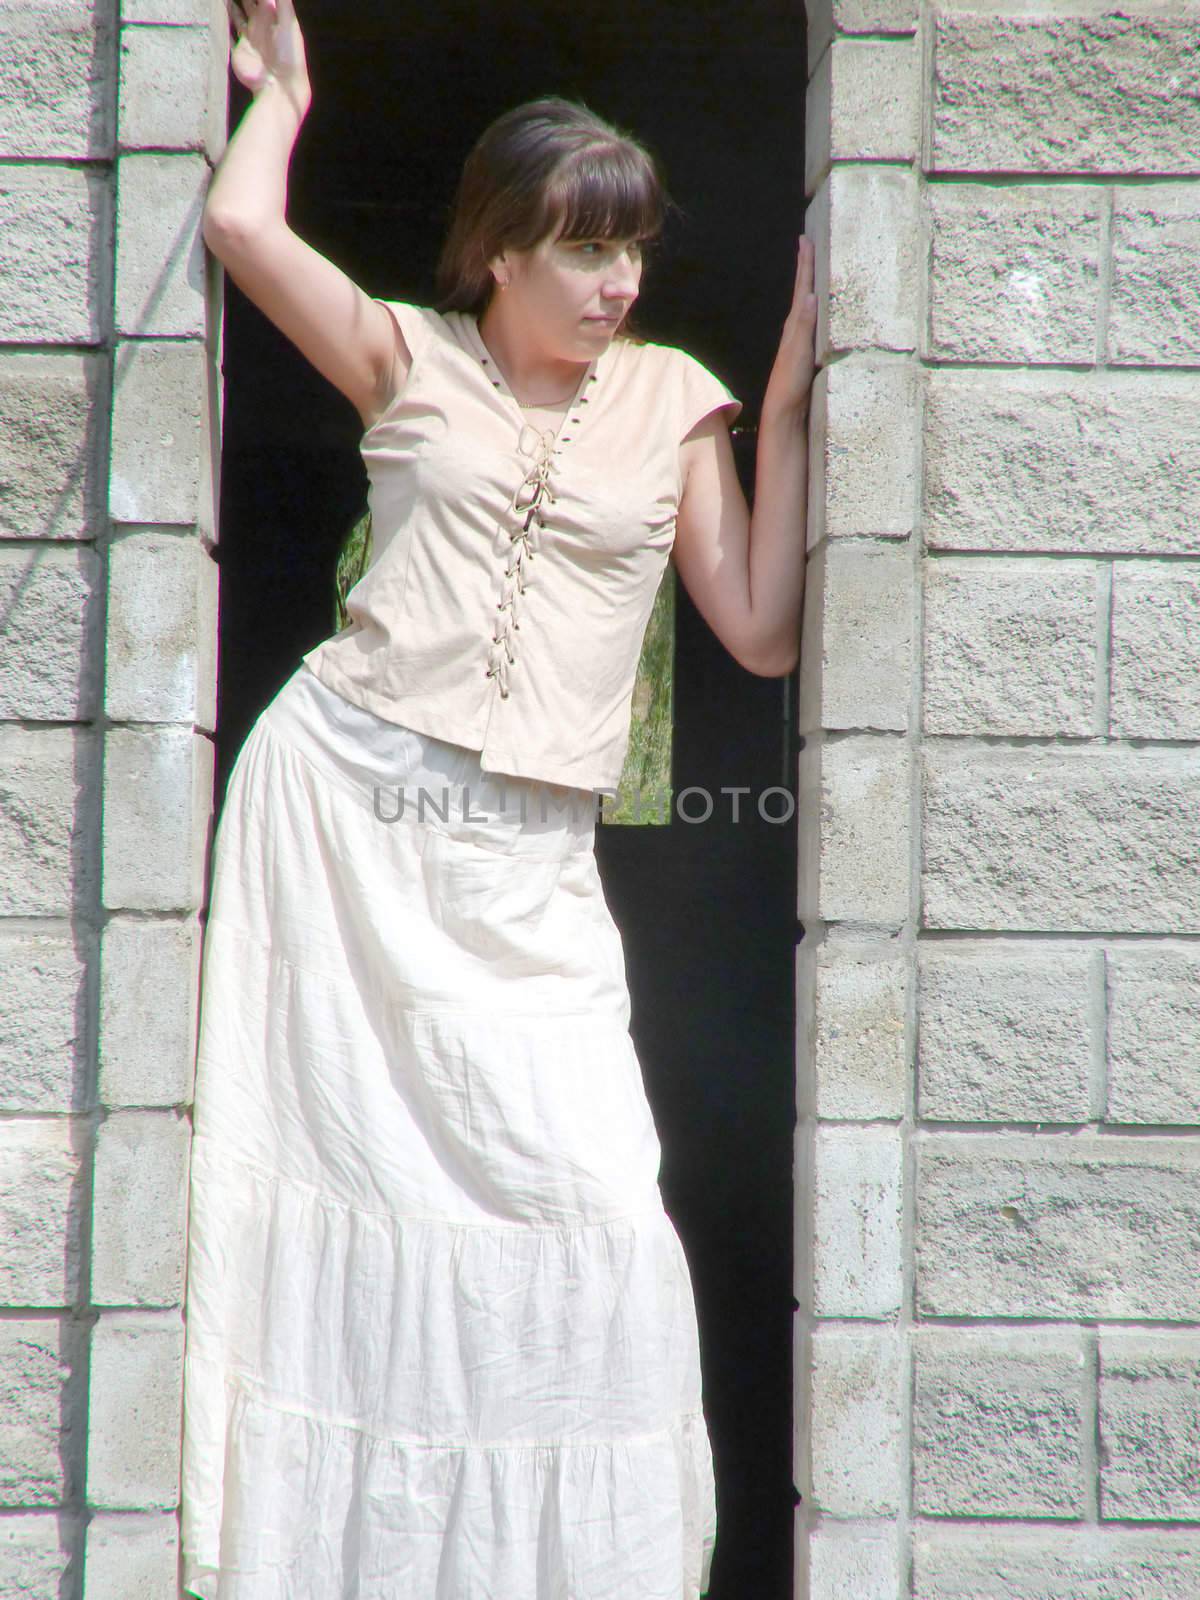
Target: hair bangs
column 607, row 191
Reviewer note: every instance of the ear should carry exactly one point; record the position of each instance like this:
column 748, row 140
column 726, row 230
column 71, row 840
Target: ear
column 500, row 270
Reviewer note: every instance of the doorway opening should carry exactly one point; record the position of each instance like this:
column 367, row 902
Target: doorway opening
column 706, row 908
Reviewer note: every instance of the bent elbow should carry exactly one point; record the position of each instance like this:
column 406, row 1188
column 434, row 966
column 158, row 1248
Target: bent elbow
column 777, row 662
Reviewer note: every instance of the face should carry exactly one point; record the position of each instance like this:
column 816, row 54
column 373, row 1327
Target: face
column 571, row 294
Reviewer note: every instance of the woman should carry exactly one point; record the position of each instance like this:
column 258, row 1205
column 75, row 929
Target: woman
column 441, row 1341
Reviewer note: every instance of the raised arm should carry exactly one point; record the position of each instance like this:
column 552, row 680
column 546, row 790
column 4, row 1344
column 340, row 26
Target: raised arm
column 745, row 573
column 346, row 335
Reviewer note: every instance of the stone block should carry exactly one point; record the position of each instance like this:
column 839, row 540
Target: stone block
column 863, row 221
column 41, row 1205
column 857, row 1258
column 1156, row 650
column 41, row 1433
column 827, row 17
column 182, row 13
column 49, row 811
column 160, row 252
column 45, row 1046
column 1150, row 1427
column 998, row 1423
column 55, row 237
column 1071, row 93
column 1058, row 1226
column 161, row 459
column 1021, row 1564
column 55, row 84
column 134, row 1411
column 193, row 115
column 853, row 1045
column 132, row 1557
column 36, row 1556
column 149, row 985
column 140, row 1209
column 864, row 104
column 1153, row 1035
column 1041, row 839
column 856, row 1432
column 50, row 407
column 1014, row 271
column 858, row 636
column 158, row 787
column 845, row 1562
column 1011, row 646
column 161, row 647
column 855, row 850
column 1029, row 460
column 47, row 672
column 1155, row 265
column 1007, row 1031
column 863, row 448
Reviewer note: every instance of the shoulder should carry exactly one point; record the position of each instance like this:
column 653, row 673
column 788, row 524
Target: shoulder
column 422, row 325
column 681, row 383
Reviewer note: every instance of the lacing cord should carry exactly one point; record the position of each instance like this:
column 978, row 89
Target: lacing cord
column 526, row 506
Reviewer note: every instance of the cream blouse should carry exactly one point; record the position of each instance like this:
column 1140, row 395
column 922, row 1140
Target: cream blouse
column 514, row 568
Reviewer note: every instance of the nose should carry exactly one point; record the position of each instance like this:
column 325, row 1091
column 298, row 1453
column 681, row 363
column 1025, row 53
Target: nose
column 623, row 277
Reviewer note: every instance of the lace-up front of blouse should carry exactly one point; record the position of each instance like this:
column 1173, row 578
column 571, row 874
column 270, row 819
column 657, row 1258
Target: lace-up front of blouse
column 515, row 567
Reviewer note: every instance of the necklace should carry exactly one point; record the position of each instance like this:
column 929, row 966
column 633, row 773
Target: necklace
column 539, row 405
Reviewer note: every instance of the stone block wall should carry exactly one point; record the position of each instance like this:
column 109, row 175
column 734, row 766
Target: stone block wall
column 108, row 407
column 998, row 1350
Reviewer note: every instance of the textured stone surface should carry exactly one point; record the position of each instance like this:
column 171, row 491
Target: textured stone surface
column 140, row 1209
column 1029, row 460
column 1014, row 271
column 864, row 104
column 856, row 1450
column 998, row 1424
column 158, row 788
column 1156, row 651
column 161, row 645
column 40, row 1212
column 40, row 1425
column 856, row 1222
column 1154, row 1035
column 44, row 1034
column 134, row 1411
column 160, row 469
column 1010, row 647
column 50, row 417
column 1150, row 1426
column 47, row 672
column 149, row 985
column 55, row 232
column 160, row 253
column 36, row 1556
column 49, row 810
column 188, row 117
column 1019, row 1564
column 131, row 1557
column 855, row 16
column 847, row 1562
column 1041, row 839
column 863, row 221
column 1006, row 1032
column 854, row 845
column 1156, row 264
column 55, row 85
column 1062, row 1226
column 863, row 450
column 1065, row 93
column 181, row 12
column 858, row 636
column 853, row 1032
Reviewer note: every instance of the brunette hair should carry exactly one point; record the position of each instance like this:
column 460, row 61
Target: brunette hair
column 549, row 166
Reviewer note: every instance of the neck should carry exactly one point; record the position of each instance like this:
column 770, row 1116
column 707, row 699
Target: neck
column 532, row 373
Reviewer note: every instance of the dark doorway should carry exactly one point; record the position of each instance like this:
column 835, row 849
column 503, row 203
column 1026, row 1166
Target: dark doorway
column 706, row 909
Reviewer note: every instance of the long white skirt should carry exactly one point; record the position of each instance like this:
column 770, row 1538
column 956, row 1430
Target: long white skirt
column 441, row 1340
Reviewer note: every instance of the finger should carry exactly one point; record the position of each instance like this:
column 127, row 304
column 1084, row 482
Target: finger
column 238, row 20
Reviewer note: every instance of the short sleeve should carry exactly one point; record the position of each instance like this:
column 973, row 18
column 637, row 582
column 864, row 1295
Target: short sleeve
column 700, row 392
column 414, row 323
